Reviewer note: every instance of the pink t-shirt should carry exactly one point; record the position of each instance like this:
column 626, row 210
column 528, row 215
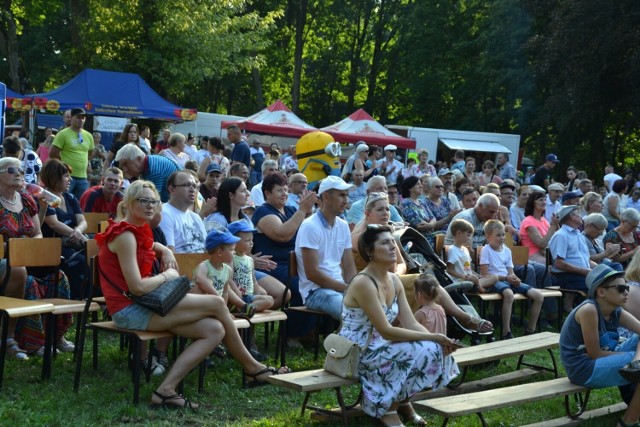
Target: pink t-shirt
column 542, row 225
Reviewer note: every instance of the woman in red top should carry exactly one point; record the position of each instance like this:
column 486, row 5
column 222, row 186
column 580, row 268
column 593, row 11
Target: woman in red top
column 127, row 253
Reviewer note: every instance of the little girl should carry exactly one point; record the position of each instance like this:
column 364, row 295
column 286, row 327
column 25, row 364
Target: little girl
column 431, row 315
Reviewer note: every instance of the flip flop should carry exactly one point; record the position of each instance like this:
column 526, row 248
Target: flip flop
column 258, row 383
column 164, row 404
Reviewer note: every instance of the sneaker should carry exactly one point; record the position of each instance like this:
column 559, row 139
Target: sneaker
column 507, row 336
column 65, row 346
column 40, row 351
column 156, row 368
column 14, row 351
column 631, row 372
column 161, row 358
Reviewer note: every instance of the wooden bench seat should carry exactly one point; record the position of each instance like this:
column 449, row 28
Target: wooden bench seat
column 318, row 379
column 476, row 403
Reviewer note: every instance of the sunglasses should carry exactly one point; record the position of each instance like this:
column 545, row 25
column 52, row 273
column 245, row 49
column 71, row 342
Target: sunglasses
column 12, row 170
column 620, row 288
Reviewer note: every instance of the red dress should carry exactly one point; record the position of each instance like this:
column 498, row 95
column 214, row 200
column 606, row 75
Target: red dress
column 110, row 265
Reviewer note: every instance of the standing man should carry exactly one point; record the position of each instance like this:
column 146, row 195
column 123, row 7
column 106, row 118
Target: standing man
column 155, row 168
column 74, row 146
column 543, row 174
column 105, row 197
column 506, row 169
column 610, row 177
column 163, row 144
column 145, row 133
column 323, row 250
column 66, row 116
column 257, row 154
column 390, row 167
column 241, row 152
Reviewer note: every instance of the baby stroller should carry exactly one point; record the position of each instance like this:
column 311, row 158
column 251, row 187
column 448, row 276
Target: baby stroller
column 421, row 258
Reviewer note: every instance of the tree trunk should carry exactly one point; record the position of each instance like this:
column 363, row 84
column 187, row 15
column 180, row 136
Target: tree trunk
column 9, row 45
column 300, row 22
column 257, row 81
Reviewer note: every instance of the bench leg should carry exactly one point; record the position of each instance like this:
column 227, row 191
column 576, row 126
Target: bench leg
column 304, row 403
column 343, row 409
column 582, row 404
column 540, row 367
column 459, row 380
column 482, row 420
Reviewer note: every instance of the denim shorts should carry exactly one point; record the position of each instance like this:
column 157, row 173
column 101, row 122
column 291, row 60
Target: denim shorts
column 248, row 299
column 500, row 287
column 134, row 317
column 605, row 372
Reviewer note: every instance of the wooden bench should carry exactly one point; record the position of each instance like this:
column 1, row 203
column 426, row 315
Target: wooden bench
column 476, row 403
column 318, row 379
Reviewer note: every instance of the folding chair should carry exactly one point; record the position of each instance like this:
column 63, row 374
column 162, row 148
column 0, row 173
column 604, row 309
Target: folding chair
column 94, row 219
column 44, row 252
column 580, row 294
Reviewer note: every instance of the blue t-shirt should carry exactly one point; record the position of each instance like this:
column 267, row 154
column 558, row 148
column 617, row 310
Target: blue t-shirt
column 573, row 353
column 262, row 243
column 242, row 153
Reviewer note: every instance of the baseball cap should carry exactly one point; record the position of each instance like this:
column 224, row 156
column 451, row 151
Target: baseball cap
column 390, row 147
column 78, row 112
column 216, row 238
column 444, row 171
column 507, row 185
column 598, row 276
column 556, row 186
column 534, row 187
column 333, row 182
column 552, row 158
column 565, row 211
column 241, row 226
column 214, row 167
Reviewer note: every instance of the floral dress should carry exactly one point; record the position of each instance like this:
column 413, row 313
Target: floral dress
column 415, row 214
column 392, row 371
column 96, row 164
column 614, row 237
column 439, row 211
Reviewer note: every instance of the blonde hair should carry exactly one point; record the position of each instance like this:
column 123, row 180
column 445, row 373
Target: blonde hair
column 134, row 192
column 427, row 285
column 633, row 269
column 492, row 226
column 588, row 199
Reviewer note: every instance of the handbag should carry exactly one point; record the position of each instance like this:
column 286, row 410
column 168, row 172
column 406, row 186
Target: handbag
column 343, row 356
column 163, row 298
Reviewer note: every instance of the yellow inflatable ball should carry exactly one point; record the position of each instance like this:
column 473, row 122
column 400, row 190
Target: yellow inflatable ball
column 318, row 156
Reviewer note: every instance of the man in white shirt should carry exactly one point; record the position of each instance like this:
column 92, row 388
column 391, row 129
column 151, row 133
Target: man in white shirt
column 390, row 167
column 553, row 200
column 183, row 228
column 323, row 250
column 610, row 177
column 269, row 166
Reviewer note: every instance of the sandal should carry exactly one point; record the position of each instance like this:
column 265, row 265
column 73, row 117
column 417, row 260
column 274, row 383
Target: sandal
column 165, row 402
column 14, row 351
column 248, row 310
column 410, row 416
column 480, row 325
column 631, row 372
column 255, row 382
column 623, row 424
column 390, row 425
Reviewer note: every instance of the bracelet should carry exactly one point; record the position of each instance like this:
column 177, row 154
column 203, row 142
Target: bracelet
column 164, row 277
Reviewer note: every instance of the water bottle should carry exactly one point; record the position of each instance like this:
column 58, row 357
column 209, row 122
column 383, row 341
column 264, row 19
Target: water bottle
column 40, row 193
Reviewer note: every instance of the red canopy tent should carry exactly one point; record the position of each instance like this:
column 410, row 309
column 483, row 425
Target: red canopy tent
column 276, row 119
column 360, row 126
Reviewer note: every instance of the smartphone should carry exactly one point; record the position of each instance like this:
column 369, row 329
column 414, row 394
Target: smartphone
column 459, row 344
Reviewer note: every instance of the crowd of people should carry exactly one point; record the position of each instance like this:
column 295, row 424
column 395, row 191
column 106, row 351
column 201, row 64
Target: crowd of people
column 248, row 210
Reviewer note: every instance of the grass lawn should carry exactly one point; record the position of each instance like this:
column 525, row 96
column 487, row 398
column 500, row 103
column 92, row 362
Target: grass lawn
column 105, row 396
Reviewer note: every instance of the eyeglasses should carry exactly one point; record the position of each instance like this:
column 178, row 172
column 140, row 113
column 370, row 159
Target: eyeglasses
column 188, row 184
column 620, row 288
column 148, row 202
column 12, row 171
column 300, row 182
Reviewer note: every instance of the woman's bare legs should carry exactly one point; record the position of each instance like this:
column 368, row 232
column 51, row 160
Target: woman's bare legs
column 15, row 289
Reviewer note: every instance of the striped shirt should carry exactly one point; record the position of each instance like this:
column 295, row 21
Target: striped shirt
column 157, row 169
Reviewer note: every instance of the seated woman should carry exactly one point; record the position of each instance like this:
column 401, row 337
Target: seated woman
column 67, row 222
column 396, row 362
column 126, row 257
column 414, row 211
column 613, row 203
column 589, row 347
column 439, row 206
column 626, row 234
column 535, row 230
column 595, row 225
column 516, row 210
column 377, row 213
column 19, row 213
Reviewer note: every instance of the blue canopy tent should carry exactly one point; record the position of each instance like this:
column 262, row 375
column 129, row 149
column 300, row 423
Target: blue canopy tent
column 111, row 93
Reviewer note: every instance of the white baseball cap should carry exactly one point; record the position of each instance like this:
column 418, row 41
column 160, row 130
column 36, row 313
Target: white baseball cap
column 333, row 182
column 390, row 147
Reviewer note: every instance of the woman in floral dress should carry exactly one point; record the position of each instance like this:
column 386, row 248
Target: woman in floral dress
column 395, row 362
column 414, row 210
